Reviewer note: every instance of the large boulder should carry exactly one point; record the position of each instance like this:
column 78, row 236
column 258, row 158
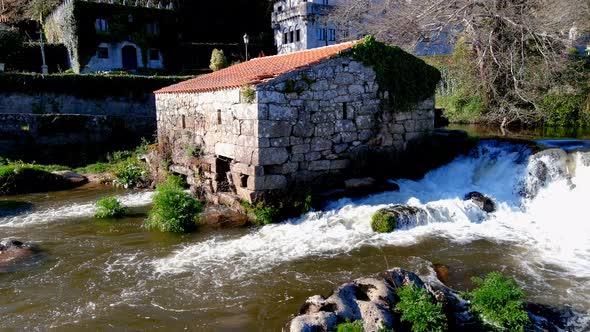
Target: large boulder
column 397, row 216
column 29, row 179
column 483, row 202
column 543, row 167
column 12, row 251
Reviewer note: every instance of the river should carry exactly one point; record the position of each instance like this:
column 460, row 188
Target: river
column 117, row 275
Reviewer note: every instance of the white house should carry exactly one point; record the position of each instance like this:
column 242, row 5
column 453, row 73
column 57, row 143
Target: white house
column 299, row 25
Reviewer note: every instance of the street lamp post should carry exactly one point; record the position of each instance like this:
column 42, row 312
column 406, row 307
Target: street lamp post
column 246, row 41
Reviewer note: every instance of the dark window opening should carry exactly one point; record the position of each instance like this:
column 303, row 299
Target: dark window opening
column 344, row 111
column 280, row 8
column 223, row 174
column 183, row 122
column 101, row 25
column 218, row 117
column 285, row 38
column 291, row 35
column 102, row 53
column 153, row 28
column 243, row 180
column 298, row 35
column 154, row 54
column 332, row 34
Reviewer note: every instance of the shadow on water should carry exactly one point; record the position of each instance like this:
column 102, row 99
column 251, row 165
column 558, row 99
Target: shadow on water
column 14, row 208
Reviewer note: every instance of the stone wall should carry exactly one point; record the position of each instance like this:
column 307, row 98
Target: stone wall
column 73, row 140
column 309, row 128
column 138, row 115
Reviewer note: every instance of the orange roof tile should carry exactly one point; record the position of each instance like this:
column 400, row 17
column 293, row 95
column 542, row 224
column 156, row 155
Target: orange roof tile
column 256, row 70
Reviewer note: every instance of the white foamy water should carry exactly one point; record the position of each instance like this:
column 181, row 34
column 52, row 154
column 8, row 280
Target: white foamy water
column 61, row 211
column 551, row 227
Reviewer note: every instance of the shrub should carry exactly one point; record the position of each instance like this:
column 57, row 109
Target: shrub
column 566, row 110
column 383, row 222
column 356, row 326
column 130, row 173
column 10, row 42
column 417, row 308
column 248, row 94
column 498, row 301
column 218, row 60
column 109, row 207
column 263, row 214
column 173, row 210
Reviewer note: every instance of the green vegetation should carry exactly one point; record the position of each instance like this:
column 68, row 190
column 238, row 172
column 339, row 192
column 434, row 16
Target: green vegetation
column 10, row 42
column 261, row 213
column 89, row 86
column 192, row 151
column 417, row 308
column 248, row 93
column 348, row 326
column 173, row 210
column 406, row 78
column 131, row 173
column 218, row 60
column 109, row 207
column 566, row 110
column 499, row 302
column 383, row 222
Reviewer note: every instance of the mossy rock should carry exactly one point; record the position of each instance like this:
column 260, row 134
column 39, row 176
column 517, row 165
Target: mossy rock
column 383, row 221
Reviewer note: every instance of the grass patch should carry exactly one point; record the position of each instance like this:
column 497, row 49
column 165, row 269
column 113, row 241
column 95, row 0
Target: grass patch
column 383, row 222
column 173, row 210
column 109, row 207
column 261, row 213
column 499, row 302
column 348, row 326
column 417, row 308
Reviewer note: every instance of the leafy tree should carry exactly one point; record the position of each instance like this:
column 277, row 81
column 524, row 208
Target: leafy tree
column 10, row 42
column 218, row 60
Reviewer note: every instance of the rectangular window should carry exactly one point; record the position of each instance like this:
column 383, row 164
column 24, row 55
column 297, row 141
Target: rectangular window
column 285, row 37
column 154, row 54
column 101, row 25
column 325, row 2
column 298, row 35
column 102, row 53
column 218, row 117
column 153, row 28
column 291, row 35
column 344, row 111
column 321, row 34
column 183, row 122
column 331, row 34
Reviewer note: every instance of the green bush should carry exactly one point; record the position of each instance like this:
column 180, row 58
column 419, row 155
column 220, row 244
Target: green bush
column 109, row 207
column 263, row 214
column 131, row 173
column 417, row 308
column 383, row 222
column 10, row 42
column 356, row 326
column 218, row 60
column 173, row 210
column 499, row 302
column 566, row 110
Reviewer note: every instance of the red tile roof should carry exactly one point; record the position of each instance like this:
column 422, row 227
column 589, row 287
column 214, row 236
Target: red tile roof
column 256, row 70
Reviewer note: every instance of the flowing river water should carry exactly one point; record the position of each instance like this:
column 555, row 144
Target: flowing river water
column 117, row 275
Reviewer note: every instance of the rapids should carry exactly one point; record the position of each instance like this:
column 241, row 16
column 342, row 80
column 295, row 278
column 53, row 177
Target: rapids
column 252, row 279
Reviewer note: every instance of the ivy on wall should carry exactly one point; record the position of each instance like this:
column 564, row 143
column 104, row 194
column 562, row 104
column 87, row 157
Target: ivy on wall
column 406, row 78
column 73, row 24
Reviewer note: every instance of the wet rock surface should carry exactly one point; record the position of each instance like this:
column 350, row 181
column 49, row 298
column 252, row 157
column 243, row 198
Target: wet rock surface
column 483, row 202
column 13, row 251
column 404, row 216
column 373, row 301
column 30, row 180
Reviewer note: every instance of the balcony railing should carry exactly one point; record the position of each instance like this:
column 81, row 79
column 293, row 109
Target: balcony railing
column 304, row 9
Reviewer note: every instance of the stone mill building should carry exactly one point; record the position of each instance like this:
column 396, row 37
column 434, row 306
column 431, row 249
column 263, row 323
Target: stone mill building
column 262, row 129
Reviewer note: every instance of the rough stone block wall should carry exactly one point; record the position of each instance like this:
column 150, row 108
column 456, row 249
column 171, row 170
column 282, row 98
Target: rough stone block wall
column 303, row 128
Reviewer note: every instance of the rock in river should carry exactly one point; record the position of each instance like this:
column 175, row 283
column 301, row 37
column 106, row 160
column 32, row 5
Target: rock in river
column 483, row 202
column 398, row 216
column 12, row 251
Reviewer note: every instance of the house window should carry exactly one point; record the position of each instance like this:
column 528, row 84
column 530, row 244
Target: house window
column 325, row 2
column 344, row 111
column 218, row 117
column 285, row 37
column 183, row 122
column 291, row 35
column 154, row 54
column 101, row 25
column 298, row 35
column 102, row 53
column 322, row 34
column 153, row 28
column 331, row 34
